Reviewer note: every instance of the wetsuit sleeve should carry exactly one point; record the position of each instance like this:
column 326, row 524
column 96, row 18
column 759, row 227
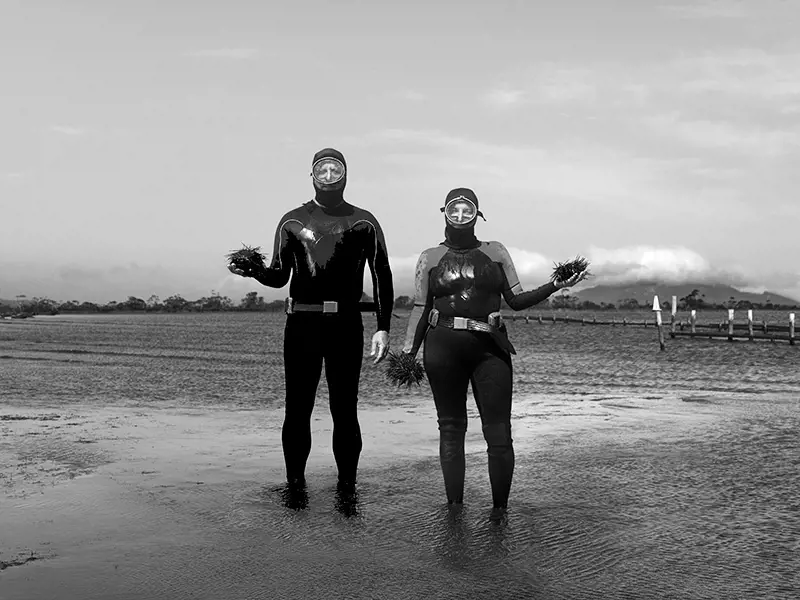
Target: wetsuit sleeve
column 383, row 287
column 512, row 291
column 276, row 275
column 423, row 303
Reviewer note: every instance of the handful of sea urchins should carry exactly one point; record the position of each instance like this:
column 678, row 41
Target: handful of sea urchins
column 563, row 271
column 404, row 369
column 247, row 259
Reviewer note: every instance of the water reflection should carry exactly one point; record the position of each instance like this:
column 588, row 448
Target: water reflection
column 346, row 500
column 294, row 495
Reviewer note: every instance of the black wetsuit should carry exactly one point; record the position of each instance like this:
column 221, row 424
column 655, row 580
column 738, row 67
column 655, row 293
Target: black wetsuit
column 327, row 249
column 465, row 277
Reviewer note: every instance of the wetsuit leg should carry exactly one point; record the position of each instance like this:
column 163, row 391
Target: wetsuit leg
column 492, row 386
column 302, row 355
column 344, row 350
column 448, row 366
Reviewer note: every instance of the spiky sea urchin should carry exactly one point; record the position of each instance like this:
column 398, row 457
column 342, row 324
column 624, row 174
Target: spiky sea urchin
column 565, row 270
column 247, row 258
column 404, row 369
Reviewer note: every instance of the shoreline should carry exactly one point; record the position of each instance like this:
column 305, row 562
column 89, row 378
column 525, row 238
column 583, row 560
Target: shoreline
column 129, row 497
column 45, row 446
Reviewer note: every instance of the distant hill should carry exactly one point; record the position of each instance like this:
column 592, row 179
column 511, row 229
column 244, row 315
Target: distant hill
column 644, row 292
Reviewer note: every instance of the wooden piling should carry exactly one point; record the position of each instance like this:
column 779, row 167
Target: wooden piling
column 657, row 310
column 674, row 310
column 730, row 324
column 693, row 321
column 750, row 323
column 791, row 329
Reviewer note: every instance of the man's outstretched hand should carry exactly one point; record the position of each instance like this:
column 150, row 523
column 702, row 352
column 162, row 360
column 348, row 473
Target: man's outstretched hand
column 246, row 270
column 380, row 346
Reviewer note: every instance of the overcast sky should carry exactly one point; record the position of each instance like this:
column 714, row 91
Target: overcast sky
column 141, row 140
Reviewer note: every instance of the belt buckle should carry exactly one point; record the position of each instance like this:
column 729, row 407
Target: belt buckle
column 495, row 320
column 330, row 307
column 460, row 323
column 433, row 318
column 288, row 306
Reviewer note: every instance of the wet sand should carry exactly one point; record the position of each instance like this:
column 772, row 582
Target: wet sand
column 127, row 502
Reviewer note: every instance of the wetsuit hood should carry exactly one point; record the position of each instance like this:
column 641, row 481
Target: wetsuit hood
column 461, row 237
column 330, row 195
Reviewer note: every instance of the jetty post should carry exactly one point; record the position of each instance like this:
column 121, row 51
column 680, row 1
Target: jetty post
column 693, row 321
column 674, row 309
column 730, row 324
column 791, row 329
column 750, row 323
column 657, row 310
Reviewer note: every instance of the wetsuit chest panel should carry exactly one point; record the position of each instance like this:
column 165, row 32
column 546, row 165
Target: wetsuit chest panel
column 467, row 283
column 323, row 238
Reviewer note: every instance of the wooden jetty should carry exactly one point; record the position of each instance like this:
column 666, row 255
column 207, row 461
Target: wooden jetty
column 583, row 320
column 725, row 329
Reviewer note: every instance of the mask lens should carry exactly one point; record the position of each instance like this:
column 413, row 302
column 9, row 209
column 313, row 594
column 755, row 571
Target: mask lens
column 460, row 211
column 327, row 171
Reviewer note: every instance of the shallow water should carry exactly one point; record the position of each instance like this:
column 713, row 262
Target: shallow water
column 235, row 358
column 706, row 510
column 687, row 490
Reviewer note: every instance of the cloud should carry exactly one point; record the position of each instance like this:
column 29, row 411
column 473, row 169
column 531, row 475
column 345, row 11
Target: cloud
column 99, row 283
column 412, row 95
column 744, row 11
column 505, row 98
column 679, row 264
column 712, row 9
column 621, row 265
column 739, row 79
column 578, row 169
column 226, row 53
column 648, row 263
column 545, row 83
column 624, row 265
column 530, row 264
column 746, row 72
column 68, row 130
column 724, row 135
column 11, row 175
column 403, row 264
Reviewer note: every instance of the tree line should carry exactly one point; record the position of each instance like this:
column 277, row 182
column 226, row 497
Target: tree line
column 253, row 302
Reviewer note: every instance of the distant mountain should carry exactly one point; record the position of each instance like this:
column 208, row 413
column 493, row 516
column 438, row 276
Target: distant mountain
column 644, row 292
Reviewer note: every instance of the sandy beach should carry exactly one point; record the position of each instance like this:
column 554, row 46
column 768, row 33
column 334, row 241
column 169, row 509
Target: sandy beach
column 127, row 502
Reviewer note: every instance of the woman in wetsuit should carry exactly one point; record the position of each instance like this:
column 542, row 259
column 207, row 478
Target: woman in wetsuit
column 456, row 315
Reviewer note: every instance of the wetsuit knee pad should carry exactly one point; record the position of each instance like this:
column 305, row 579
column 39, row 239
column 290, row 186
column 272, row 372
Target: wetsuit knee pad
column 451, row 439
column 498, row 437
column 453, row 426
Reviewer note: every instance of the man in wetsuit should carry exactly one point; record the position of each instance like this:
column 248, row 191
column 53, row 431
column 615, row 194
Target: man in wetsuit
column 456, row 314
column 324, row 245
